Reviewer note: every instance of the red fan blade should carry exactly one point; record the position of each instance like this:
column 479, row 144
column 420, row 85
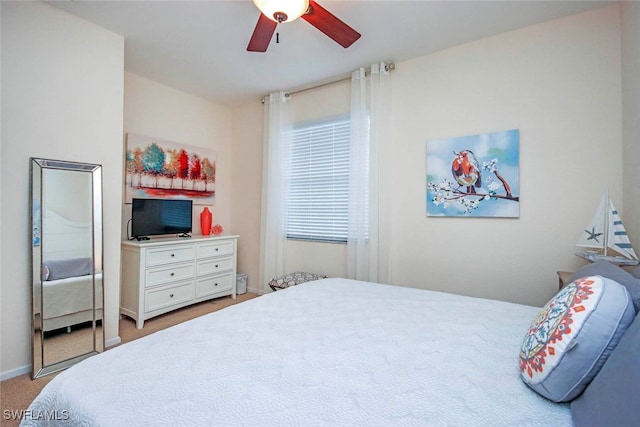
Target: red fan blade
column 262, row 34
column 333, row 27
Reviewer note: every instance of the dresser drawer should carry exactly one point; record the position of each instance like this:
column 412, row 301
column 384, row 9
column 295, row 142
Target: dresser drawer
column 160, row 275
column 157, row 299
column 211, row 249
column 213, row 284
column 214, row 266
column 168, row 255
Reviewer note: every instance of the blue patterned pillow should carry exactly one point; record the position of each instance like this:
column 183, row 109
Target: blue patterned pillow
column 569, row 341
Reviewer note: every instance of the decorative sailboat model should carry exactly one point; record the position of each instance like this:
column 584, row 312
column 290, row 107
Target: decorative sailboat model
column 607, row 236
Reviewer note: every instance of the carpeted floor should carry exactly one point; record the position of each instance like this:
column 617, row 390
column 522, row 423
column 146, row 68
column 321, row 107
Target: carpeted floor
column 17, row 393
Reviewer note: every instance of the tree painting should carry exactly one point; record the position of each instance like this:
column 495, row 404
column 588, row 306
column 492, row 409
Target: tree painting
column 134, row 165
column 162, row 169
column 153, row 161
column 171, row 166
column 183, row 166
column 208, row 172
column 474, row 176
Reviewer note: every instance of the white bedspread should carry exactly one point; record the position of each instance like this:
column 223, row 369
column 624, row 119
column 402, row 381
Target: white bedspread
column 331, row 352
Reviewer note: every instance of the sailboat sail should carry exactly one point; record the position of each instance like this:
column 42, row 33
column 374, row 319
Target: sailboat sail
column 594, row 235
column 617, row 238
column 606, row 231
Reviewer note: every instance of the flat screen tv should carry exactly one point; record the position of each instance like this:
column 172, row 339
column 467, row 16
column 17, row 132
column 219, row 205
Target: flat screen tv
column 152, row 217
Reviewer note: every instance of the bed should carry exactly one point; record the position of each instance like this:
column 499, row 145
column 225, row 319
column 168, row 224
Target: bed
column 69, row 301
column 328, row 352
column 67, row 280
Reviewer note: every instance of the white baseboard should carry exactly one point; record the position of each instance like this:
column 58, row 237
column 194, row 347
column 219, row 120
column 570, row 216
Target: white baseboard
column 15, row 372
column 27, row 368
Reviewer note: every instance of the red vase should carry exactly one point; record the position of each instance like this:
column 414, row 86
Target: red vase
column 206, row 218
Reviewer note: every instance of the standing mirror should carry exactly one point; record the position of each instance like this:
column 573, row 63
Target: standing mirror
column 66, row 224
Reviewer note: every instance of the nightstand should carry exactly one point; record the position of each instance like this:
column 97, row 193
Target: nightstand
column 563, row 278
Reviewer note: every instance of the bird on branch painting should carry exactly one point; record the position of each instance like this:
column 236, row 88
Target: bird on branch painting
column 475, row 175
column 466, row 170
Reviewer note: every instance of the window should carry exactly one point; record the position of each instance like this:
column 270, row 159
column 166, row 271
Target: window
column 319, row 181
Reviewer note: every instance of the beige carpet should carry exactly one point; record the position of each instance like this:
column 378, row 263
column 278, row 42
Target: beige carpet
column 17, row 393
column 65, row 345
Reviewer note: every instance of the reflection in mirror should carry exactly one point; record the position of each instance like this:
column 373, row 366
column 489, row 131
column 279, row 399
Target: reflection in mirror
column 66, row 224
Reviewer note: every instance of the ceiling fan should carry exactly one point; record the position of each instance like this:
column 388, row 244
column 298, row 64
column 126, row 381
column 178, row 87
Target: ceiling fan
column 274, row 12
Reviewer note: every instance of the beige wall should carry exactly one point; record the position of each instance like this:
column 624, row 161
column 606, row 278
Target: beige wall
column 62, row 88
column 246, row 189
column 630, row 12
column 560, row 84
column 158, row 111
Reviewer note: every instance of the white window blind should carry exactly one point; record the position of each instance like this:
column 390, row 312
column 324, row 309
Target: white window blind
column 319, row 181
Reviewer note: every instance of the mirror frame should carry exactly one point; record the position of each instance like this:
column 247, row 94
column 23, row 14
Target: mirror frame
column 37, row 166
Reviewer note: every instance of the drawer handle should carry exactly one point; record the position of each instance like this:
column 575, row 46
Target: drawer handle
column 170, row 295
column 215, row 284
column 216, row 265
column 172, row 273
column 173, row 255
column 216, row 249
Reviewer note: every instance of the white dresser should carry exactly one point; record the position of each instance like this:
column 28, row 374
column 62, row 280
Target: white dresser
column 161, row 275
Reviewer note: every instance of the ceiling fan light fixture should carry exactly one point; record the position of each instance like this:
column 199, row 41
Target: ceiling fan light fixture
column 282, row 10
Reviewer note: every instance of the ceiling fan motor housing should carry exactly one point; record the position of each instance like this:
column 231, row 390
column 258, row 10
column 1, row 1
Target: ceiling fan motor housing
column 282, row 10
column 280, row 17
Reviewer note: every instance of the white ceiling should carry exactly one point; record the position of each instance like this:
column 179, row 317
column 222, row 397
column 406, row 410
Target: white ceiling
column 199, row 46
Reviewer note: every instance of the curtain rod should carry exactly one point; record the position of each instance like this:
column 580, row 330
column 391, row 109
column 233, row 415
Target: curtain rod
column 387, row 67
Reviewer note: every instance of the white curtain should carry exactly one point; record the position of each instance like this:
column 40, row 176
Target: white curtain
column 369, row 202
column 275, row 164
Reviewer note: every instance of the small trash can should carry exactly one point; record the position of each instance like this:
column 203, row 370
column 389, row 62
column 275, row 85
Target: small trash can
column 241, row 284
